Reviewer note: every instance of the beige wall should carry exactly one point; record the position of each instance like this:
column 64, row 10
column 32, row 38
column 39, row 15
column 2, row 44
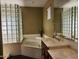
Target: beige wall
column 58, row 20
column 13, row 49
column 32, row 19
column 48, row 25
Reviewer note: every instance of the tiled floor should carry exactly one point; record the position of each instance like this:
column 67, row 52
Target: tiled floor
column 1, row 57
column 20, row 57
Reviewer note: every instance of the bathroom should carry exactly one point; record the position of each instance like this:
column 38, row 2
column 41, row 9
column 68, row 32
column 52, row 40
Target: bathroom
column 39, row 29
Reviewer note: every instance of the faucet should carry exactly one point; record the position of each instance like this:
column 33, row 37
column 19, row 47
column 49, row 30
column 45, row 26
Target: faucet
column 57, row 37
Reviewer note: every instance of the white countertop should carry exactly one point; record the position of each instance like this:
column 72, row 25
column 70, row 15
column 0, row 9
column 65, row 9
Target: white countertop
column 63, row 53
column 60, row 49
column 52, row 43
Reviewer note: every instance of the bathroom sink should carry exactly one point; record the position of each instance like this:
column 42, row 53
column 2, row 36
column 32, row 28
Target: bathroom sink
column 53, row 43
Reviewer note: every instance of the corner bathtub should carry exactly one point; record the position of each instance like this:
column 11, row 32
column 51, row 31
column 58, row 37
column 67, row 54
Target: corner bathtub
column 31, row 46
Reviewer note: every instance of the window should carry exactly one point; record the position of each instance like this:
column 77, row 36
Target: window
column 66, row 23
column 48, row 13
column 70, row 22
column 11, row 23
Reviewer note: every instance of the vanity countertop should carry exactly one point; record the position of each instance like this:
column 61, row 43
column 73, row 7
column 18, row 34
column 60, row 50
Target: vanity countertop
column 63, row 53
column 52, row 43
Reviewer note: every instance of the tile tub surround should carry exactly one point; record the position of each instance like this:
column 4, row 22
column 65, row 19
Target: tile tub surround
column 31, row 46
column 22, row 48
column 11, row 48
column 66, row 53
column 31, row 51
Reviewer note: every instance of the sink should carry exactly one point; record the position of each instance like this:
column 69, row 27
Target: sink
column 53, row 43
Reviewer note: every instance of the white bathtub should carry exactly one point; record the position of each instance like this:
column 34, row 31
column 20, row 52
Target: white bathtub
column 31, row 46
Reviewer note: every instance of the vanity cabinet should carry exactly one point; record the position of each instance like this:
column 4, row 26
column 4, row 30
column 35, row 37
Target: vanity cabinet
column 45, row 53
column 51, row 50
column 49, row 56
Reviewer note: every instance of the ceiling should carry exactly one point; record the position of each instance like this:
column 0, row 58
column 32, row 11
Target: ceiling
column 40, row 3
column 35, row 3
column 28, row 3
column 65, row 3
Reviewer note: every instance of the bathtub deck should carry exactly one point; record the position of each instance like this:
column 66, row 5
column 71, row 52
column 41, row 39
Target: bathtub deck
column 31, row 47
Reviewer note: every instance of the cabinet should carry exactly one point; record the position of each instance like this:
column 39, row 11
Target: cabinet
column 45, row 53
